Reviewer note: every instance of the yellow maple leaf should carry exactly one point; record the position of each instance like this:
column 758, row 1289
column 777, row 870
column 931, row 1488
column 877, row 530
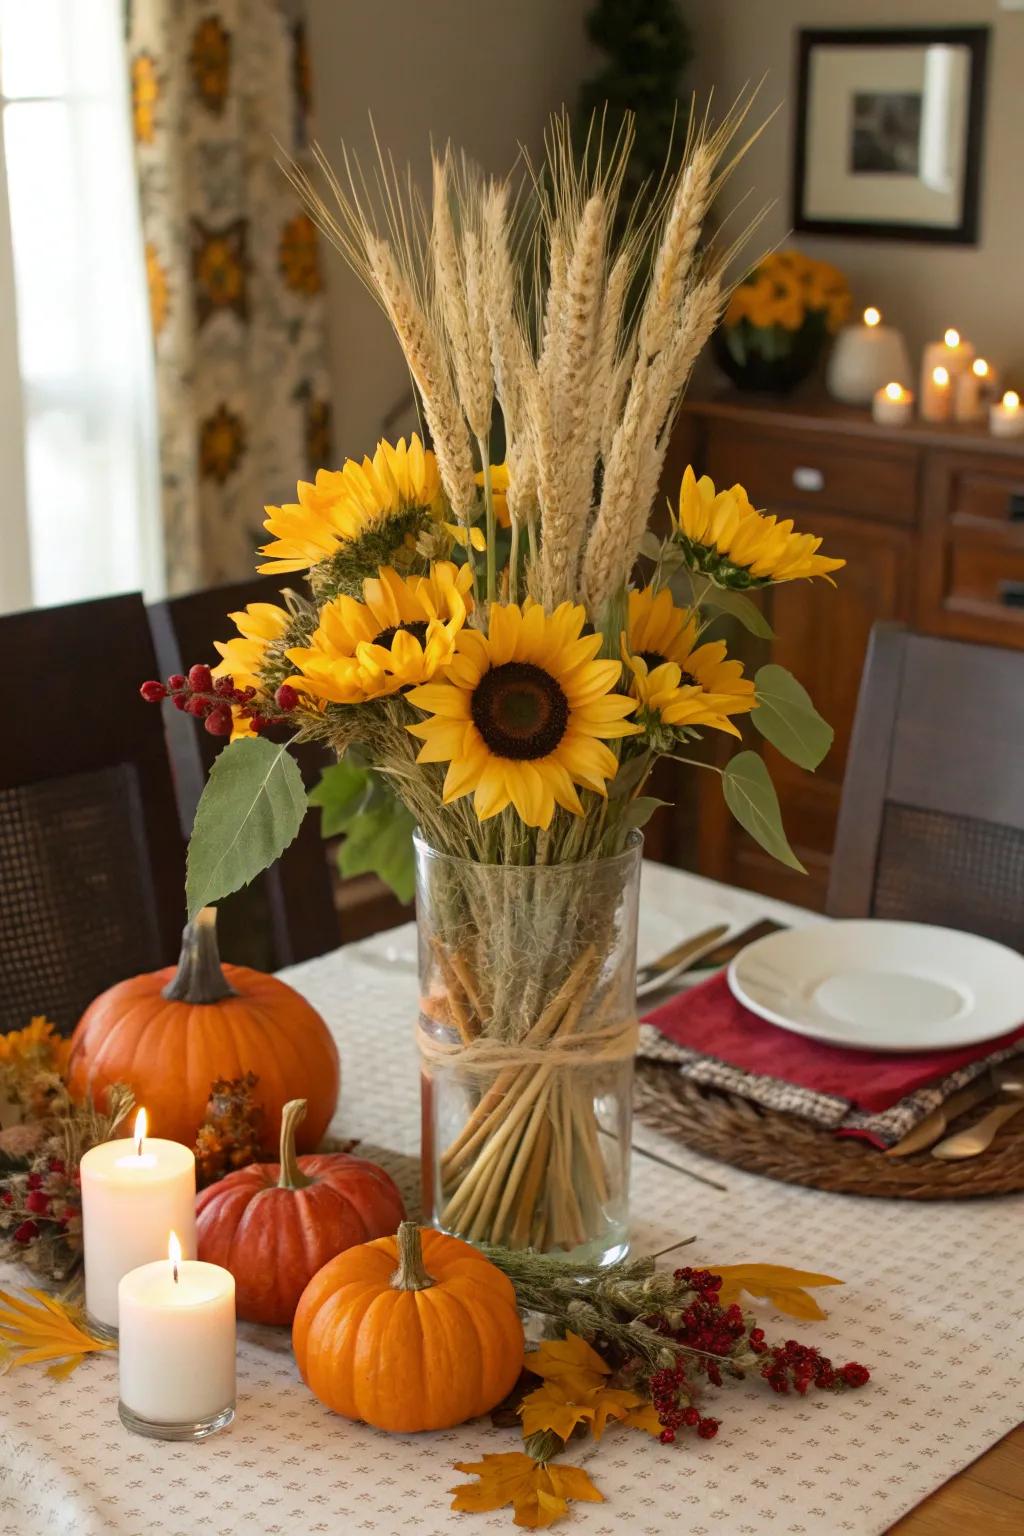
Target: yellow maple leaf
column 783, row 1288
column 570, row 1361
column 539, row 1493
column 45, row 1329
column 645, row 1416
column 552, row 1407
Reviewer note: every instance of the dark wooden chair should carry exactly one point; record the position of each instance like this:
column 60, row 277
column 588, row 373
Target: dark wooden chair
column 287, row 914
column 931, row 826
column 92, row 861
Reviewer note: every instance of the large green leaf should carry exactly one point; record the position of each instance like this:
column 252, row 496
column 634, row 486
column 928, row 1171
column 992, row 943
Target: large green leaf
column 786, row 717
column 250, row 810
column 341, row 791
column 750, row 795
column 379, row 840
column 724, row 600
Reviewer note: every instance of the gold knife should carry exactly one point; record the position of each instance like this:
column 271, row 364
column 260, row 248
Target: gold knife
column 656, row 974
column 933, row 1125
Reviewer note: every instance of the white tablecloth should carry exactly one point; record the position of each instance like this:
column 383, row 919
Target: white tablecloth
column 933, row 1302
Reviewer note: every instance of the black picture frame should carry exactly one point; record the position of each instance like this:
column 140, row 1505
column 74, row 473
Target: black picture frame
column 975, row 40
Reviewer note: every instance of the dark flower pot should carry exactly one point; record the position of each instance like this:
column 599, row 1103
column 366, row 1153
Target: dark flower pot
column 770, row 359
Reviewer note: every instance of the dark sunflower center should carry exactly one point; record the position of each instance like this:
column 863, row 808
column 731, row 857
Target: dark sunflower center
column 520, row 711
column 656, row 659
column 418, row 629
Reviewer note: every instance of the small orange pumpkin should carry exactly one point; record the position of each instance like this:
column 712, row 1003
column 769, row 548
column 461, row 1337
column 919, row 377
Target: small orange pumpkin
column 418, row 1331
column 170, row 1033
column 273, row 1225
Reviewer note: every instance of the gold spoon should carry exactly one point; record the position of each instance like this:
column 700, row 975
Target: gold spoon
column 978, row 1138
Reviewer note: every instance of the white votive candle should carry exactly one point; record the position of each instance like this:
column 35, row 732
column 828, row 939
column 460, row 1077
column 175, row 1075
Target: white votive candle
column 971, row 391
column 134, row 1191
column 176, row 1347
column 1006, row 417
column 951, row 353
column 936, row 395
column 892, row 406
column 863, row 357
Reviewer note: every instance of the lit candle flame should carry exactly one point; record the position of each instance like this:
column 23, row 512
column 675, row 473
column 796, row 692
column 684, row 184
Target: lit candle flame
column 872, row 316
column 940, row 376
column 980, row 368
column 141, row 1127
column 952, row 338
column 174, row 1254
column 894, row 391
column 1011, row 400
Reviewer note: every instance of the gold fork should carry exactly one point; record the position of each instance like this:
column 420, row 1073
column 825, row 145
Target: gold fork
column 978, row 1138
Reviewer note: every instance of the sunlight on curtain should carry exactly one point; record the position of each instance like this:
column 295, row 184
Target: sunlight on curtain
column 82, row 318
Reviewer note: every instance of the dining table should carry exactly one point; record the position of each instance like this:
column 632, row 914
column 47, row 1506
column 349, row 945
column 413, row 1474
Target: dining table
column 932, row 1300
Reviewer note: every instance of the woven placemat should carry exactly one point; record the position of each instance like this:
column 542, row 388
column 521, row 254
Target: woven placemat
column 784, row 1147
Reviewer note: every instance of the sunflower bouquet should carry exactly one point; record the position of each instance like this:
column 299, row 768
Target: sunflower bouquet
column 510, row 650
column 778, row 319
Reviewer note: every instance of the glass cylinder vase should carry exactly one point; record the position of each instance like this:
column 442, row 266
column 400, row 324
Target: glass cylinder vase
column 527, row 1034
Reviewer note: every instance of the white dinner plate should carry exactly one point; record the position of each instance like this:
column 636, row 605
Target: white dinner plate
column 882, row 986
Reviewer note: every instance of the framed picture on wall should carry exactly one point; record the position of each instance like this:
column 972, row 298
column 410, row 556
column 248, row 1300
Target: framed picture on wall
column 889, row 133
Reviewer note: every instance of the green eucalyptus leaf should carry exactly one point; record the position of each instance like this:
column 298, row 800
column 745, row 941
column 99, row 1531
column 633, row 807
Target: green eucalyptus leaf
column 379, row 841
column 251, row 808
column 750, row 796
column 639, row 811
column 341, row 792
column 631, row 771
column 650, row 545
column 740, row 608
column 786, row 717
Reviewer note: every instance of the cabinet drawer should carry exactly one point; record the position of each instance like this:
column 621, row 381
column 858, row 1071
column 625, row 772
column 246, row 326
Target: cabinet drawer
column 796, row 472
column 992, row 498
column 986, row 580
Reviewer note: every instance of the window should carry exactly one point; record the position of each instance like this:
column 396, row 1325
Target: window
column 90, row 511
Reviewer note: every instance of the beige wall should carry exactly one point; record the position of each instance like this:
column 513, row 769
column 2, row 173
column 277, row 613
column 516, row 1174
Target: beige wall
column 921, row 288
column 485, row 73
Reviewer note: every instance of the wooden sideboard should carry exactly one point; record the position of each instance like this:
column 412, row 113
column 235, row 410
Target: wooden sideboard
column 930, row 520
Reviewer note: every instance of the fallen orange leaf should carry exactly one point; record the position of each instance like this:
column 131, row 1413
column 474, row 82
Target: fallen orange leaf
column 539, row 1493
column 786, row 1289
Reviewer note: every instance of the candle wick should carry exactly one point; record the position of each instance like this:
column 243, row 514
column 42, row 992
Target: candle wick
column 138, row 1147
column 174, row 1268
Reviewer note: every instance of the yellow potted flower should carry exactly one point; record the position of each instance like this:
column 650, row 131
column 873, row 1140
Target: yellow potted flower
column 778, row 320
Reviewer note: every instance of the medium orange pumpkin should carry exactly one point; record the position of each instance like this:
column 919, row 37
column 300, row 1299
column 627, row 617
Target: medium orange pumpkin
column 170, row 1033
column 273, row 1225
column 418, row 1331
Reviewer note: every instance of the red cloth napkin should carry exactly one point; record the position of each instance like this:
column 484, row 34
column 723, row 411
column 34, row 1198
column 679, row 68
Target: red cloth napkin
column 708, row 1019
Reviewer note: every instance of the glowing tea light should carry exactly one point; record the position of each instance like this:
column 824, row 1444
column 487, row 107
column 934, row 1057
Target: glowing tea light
column 134, row 1190
column 1006, row 418
column 952, row 338
column 893, row 406
column 980, row 368
column 176, row 1347
column 973, row 390
column 872, row 316
column 955, row 355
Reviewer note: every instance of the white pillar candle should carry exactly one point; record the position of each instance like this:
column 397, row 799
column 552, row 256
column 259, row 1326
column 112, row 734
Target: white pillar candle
column 863, row 357
column 936, row 395
column 893, row 406
column 970, row 388
column 134, row 1191
column 1006, row 417
column 176, row 1347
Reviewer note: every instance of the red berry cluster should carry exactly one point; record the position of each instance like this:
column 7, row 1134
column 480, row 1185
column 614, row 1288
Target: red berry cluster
column 46, row 1201
column 210, row 699
column 670, row 1394
column 799, row 1366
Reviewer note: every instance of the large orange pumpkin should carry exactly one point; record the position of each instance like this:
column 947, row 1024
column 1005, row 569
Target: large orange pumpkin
column 273, row 1225
column 170, row 1033
column 418, row 1331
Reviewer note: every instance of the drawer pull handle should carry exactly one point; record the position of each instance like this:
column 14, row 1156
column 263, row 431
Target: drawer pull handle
column 805, row 478
column 1016, row 507
column 1011, row 594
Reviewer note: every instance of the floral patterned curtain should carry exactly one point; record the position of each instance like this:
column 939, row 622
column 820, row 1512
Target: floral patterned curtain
column 220, row 92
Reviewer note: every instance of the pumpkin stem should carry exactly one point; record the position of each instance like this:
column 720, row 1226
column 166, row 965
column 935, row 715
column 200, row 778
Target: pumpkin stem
column 410, row 1274
column 199, row 978
column 291, row 1175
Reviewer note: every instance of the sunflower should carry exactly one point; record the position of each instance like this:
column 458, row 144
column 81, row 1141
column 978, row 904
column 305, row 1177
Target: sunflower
column 659, row 633
column 520, row 716
column 725, row 538
column 258, row 625
column 400, row 634
column 499, row 493
column 360, row 517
